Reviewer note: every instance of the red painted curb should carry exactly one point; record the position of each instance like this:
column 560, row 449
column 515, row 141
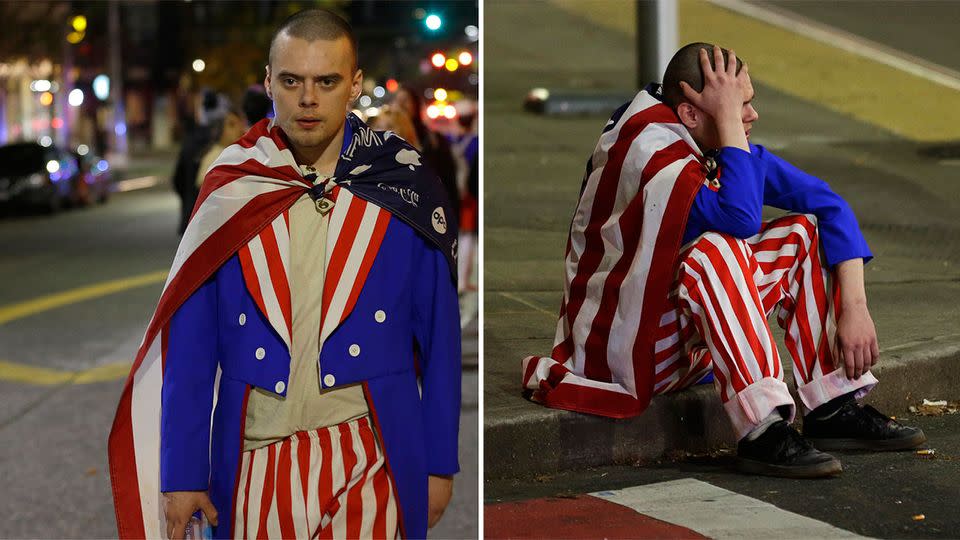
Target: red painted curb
column 583, row 516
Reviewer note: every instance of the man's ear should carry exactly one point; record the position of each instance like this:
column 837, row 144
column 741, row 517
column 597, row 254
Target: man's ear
column 266, row 82
column 356, row 87
column 689, row 115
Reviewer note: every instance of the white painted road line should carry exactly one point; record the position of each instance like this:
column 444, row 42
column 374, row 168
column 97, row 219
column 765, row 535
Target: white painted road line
column 846, row 41
column 719, row 513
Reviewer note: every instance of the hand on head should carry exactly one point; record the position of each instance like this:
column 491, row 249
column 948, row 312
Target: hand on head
column 724, row 96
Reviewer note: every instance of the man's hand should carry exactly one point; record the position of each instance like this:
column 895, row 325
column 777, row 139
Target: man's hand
column 440, row 489
column 856, row 334
column 723, row 96
column 180, row 506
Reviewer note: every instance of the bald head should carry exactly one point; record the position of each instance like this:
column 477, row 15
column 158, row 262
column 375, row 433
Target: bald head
column 314, row 24
column 685, row 66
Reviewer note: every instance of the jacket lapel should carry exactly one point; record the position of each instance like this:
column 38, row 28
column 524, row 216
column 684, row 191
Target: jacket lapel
column 354, row 235
column 265, row 262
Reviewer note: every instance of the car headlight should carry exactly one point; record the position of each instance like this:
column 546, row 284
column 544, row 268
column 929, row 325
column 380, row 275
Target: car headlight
column 36, row 180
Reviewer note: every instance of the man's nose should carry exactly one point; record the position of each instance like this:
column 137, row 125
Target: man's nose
column 751, row 114
column 308, row 98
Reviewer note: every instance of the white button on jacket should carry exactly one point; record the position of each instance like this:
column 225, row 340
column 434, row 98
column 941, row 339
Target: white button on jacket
column 380, row 316
column 243, row 319
column 279, row 387
column 329, row 380
column 354, row 350
column 261, row 353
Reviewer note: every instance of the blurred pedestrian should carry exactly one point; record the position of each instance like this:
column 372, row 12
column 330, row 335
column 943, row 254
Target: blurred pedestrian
column 435, row 148
column 226, row 130
column 313, row 299
column 197, row 138
column 680, row 281
column 256, row 104
column 395, row 119
column 466, row 150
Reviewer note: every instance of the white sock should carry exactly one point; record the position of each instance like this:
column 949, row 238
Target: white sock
column 773, row 418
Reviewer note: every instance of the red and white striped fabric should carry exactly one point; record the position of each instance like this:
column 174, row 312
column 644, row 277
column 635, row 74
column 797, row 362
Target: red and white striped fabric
column 240, row 209
column 326, row 483
column 620, row 262
column 725, row 290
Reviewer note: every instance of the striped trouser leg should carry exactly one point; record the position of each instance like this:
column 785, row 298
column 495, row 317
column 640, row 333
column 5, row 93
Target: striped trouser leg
column 726, row 289
column 327, row 483
column 794, row 276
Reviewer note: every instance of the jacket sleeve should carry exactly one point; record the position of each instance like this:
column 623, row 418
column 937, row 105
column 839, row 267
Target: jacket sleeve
column 789, row 188
column 190, row 366
column 736, row 208
column 437, row 330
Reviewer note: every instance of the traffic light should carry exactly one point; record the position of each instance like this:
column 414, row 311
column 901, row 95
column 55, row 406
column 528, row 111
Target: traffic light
column 433, row 22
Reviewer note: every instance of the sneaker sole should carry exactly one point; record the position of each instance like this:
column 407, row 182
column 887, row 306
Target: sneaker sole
column 906, row 443
column 817, row 470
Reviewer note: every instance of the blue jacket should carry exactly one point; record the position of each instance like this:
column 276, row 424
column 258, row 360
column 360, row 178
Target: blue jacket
column 751, row 180
column 410, row 281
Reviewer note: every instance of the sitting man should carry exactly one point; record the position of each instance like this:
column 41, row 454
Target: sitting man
column 670, row 276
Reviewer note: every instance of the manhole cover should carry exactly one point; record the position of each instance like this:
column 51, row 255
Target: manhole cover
column 941, row 151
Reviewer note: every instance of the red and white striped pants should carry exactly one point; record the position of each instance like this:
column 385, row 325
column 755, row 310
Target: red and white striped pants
column 725, row 290
column 327, row 483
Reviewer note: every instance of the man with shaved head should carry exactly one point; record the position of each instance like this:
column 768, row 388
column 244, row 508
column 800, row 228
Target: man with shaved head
column 671, row 274
column 304, row 358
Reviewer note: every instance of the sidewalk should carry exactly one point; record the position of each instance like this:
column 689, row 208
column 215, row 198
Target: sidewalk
column 532, row 177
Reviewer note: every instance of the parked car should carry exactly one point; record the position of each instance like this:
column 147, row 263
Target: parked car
column 36, row 176
column 95, row 181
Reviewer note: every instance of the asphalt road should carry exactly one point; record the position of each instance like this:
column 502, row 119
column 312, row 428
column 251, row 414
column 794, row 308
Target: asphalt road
column 877, row 495
column 63, row 362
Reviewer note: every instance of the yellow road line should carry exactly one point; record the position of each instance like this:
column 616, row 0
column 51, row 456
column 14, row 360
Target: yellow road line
column 44, row 303
column 10, row 371
column 797, row 65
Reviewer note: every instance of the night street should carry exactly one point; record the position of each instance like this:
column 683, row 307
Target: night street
column 79, row 289
column 667, row 473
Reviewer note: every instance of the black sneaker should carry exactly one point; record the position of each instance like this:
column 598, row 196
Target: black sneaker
column 861, row 428
column 781, row 451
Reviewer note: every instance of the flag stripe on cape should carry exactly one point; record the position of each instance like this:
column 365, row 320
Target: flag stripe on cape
column 632, row 211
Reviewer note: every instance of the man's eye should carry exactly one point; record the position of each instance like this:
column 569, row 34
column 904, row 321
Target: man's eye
column 289, row 81
column 327, row 82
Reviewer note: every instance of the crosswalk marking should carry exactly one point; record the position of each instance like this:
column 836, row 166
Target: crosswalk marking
column 719, row 513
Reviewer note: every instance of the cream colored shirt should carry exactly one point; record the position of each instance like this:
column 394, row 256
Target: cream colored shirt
column 271, row 417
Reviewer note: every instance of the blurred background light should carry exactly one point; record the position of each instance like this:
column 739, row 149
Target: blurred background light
column 41, row 85
column 75, row 99
column 101, row 87
column 465, row 58
column 199, row 65
column 438, row 59
column 433, row 22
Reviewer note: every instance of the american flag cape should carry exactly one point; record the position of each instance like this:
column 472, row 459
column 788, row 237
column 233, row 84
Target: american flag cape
column 620, row 261
column 242, row 210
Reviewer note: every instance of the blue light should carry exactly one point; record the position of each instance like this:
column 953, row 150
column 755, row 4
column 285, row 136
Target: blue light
column 433, row 22
column 120, row 129
column 102, row 165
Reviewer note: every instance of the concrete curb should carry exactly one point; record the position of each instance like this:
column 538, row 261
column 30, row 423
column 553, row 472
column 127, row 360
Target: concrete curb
column 544, row 441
